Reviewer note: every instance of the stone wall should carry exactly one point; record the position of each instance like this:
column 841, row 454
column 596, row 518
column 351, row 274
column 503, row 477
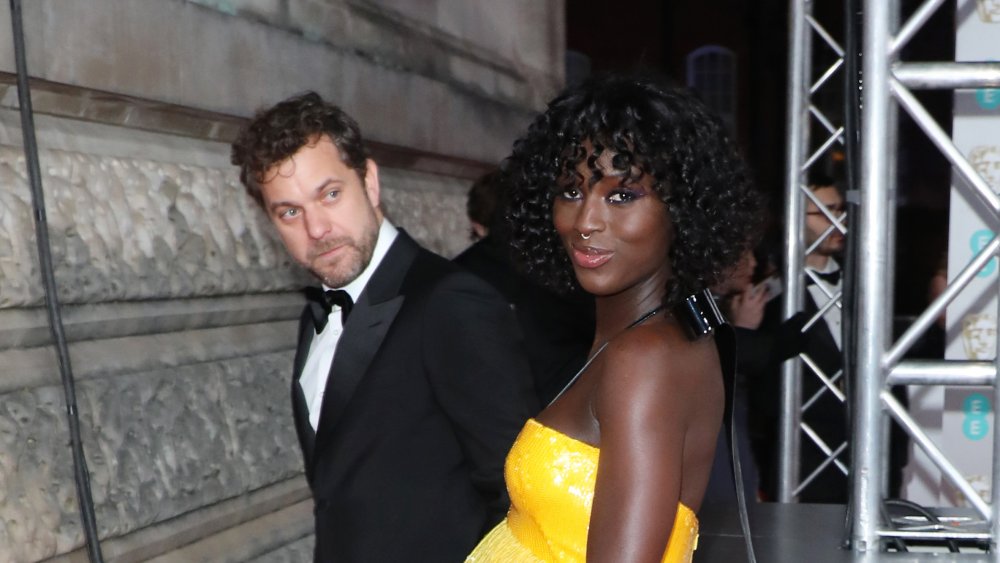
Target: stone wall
column 450, row 77
column 178, row 301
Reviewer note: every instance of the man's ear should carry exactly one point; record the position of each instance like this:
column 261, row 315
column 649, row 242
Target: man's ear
column 372, row 187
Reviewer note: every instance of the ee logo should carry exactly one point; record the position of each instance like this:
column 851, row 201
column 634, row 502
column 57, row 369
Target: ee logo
column 980, row 239
column 975, row 425
column 988, row 98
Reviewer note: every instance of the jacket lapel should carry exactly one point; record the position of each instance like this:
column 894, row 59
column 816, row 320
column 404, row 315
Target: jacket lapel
column 365, row 330
column 300, row 411
column 821, row 330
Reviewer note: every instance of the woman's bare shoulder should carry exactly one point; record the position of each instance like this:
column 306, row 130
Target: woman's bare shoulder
column 658, row 366
column 661, row 351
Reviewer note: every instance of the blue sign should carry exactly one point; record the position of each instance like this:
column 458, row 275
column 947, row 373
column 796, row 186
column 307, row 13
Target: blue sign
column 980, row 239
column 988, row 98
column 975, row 426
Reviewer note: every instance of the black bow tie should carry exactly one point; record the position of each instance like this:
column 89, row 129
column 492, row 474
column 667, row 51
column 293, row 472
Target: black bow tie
column 322, row 302
column 831, row 278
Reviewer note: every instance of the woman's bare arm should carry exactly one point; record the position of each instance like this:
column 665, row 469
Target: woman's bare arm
column 654, row 387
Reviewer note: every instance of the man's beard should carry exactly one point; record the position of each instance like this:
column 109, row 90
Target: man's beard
column 355, row 257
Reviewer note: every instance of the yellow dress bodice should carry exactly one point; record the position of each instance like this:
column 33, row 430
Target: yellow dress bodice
column 550, row 478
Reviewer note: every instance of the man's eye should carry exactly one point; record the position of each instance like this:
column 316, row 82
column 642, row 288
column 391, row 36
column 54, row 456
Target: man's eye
column 289, row 213
column 332, row 194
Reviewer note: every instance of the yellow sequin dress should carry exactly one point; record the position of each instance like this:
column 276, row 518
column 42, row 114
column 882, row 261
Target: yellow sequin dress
column 551, row 477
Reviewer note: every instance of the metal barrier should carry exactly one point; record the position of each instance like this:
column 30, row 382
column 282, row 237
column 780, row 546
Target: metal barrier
column 889, row 81
column 878, row 361
column 805, row 115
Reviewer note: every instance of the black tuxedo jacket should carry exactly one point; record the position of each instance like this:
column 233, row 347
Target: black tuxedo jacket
column 427, row 391
column 827, row 416
column 558, row 330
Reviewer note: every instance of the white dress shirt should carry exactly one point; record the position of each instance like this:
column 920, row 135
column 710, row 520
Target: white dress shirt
column 324, row 344
column 821, row 295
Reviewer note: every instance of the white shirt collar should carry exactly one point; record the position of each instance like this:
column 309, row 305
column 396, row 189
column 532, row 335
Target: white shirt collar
column 387, row 234
column 831, row 266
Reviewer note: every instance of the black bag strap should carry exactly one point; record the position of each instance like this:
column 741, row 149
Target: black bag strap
column 701, row 315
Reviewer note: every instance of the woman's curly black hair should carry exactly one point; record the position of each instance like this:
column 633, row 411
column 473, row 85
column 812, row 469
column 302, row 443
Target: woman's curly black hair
column 653, row 129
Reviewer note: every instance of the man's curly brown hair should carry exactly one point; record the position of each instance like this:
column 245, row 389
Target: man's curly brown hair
column 278, row 132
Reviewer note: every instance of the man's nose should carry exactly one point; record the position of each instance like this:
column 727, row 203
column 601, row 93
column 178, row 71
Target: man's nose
column 317, row 224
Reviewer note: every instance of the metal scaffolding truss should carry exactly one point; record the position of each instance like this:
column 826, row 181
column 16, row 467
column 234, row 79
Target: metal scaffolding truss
column 880, row 364
column 888, row 85
column 813, row 133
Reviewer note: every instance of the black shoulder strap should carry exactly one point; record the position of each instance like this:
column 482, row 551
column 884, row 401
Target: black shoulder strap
column 725, row 342
column 700, row 314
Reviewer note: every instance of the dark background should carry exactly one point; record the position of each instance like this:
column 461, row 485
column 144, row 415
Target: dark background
column 658, row 35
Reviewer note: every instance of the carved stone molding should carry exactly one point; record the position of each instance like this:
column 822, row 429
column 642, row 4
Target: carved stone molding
column 159, row 444
column 125, row 228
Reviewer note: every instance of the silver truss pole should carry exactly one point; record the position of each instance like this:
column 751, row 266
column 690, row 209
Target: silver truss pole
column 873, row 228
column 879, row 361
column 994, row 493
column 888, row 274
column 943, row 372
column 944, row 143
column 879, row 366
column 913, row 25
column 947, row 468
column 937, row 307
column 799, row 65
column 948, row 76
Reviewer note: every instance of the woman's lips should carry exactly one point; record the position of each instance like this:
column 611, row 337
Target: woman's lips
column 589, row 256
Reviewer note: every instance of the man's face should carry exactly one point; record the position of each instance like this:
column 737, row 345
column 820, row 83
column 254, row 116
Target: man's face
column 326, row 215
column 817, row 223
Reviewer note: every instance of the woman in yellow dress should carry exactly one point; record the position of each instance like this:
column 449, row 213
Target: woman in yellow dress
column 632, row 192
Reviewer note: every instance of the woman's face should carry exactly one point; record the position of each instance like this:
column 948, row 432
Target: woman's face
column 617, row 234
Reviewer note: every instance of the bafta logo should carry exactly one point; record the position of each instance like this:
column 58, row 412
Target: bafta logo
column 980, row 483
column 986, row 160
column 979, row 336
column 989, row 10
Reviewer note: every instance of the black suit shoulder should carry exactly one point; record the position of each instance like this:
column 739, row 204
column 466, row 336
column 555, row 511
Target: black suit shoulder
column 432, row 272
column 472, row 352
column 558, row 330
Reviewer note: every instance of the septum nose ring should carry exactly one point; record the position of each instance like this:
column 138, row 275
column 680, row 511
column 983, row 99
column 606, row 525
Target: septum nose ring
column 585, row 237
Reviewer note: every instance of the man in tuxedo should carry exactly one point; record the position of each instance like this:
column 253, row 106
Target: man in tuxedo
column 826, row 414
column 558, row 329
column 409, row 383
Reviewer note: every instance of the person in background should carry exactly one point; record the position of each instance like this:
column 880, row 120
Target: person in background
column 826, row 414
column 409, row 383
column 742, row 302
column 558, row 329
column 739, row 297
column 483, row 205
column 631, row 191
